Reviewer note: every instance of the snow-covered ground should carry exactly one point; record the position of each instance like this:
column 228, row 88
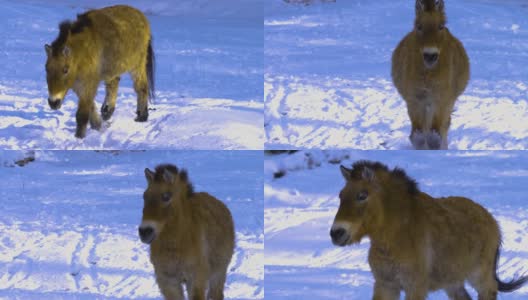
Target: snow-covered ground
column 327, row 77
column 299, row 208
column 68, row 227
column 209, row 70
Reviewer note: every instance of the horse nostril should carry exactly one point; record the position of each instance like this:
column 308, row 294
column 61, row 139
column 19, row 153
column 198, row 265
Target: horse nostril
column 145, row 231
column 336, row 234
column 430, row 57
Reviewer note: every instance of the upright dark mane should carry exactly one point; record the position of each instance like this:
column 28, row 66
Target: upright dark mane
column 397, row 174
column 182, row 174
column 412, row 186
column 66, row 28
column 359, row 166
column 430, row 6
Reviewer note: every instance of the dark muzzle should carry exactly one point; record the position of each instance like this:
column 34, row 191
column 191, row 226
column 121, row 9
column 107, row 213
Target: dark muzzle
column 430, row 59
column 338, row 236
column 146, row 234
column 55, row 103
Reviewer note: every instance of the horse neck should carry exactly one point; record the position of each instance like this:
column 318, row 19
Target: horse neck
column 82, row 43
column 182, row 219
column 400, row 220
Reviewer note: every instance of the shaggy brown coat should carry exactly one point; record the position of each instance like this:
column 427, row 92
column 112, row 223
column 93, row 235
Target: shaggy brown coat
column 191, row 236
column 418, row 243
column 430, row 70
column 99, row 46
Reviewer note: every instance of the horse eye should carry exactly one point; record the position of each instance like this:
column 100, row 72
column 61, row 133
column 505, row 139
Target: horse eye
column 65, row 70
column 419, row 27
column 441, row 27
column 362, row 196
column 165, row 197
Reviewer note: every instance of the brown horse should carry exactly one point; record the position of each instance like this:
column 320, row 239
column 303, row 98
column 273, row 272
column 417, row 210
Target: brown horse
column 430, row 70
column 417, row 243
column 191, row 235
column 99, row 46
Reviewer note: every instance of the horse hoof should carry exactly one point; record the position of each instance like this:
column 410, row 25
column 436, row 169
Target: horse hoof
column 434, row 141
column 96, row 125
column 142, row 117
column 80, row 135
column 418, row 140
column 107, row 112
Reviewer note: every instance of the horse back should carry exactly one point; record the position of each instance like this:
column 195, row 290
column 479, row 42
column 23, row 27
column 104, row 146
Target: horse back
column 122, row 35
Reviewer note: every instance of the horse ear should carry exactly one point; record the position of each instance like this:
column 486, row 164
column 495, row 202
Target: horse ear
column 439, row 5
column 66, row 51
column 367, row 174
column 48, row 49
column 420, row 6
column 168, row 176
column 346, row 173
column 149, row 175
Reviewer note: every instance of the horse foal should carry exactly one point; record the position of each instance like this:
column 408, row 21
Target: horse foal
column 430, row 70
column 99, row 46
column 191, row 236
column 418, row 243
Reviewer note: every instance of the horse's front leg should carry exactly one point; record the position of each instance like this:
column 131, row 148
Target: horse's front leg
column 417, row 114
column 440, row 127
column 385, row 291
column 417, row 287
column 84, row 112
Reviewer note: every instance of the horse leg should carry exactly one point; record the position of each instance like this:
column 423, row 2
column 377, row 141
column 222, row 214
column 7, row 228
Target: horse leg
column 216, row 286
column 417, row 288
column 383, row 291
column 196, row 288
column 457, row 293
column 440, row 127
column 110, row 98
column 95, row 120
column 417, row 294
column 86, row 103
column 485, row 283
column 416, row 113
column 141, row 87
column 170, row 289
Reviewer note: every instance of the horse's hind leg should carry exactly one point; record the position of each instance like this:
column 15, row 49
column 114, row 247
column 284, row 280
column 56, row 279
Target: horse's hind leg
column 457, row 293
column 486, row 285
column 95, row 120
column 110, row 98
column 141, row 88
column 216, row 286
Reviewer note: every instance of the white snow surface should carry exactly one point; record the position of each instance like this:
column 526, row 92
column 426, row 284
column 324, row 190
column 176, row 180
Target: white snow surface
column 68, row 228
column 327, row 80
column 299, row 208
column 209, row 70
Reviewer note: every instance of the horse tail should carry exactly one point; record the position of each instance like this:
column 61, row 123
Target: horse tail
column 509, row 286
column 151, row 60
